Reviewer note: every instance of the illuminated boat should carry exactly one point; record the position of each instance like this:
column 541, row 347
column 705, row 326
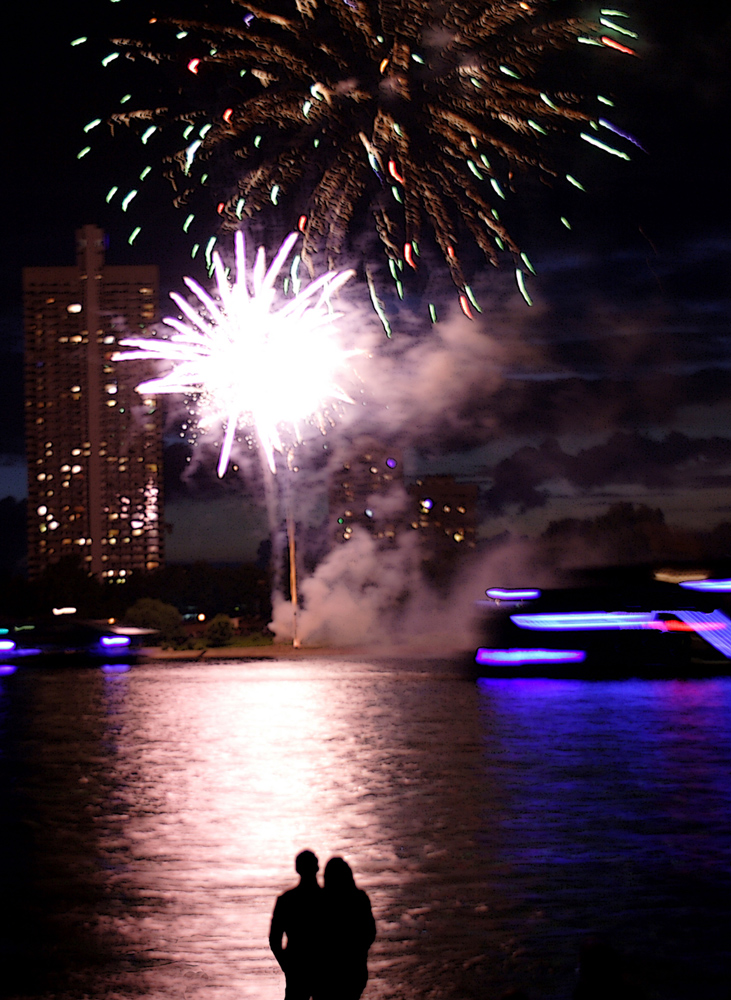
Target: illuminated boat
column 650, row 629
column 65, row 642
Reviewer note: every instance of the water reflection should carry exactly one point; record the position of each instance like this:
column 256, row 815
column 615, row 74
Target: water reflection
column 115, row 668
column 231, row 771
column 53, row 783
column 152, row 815
column 616, row 799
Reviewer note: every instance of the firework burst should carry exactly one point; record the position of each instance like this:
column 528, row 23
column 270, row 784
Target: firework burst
column 252, row 365
column 425, row 116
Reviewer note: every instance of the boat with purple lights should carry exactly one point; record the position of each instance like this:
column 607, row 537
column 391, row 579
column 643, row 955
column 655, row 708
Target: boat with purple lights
column 648, row 628
column 65, row 642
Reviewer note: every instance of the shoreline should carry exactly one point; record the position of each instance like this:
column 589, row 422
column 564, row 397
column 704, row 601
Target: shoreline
column 287, row 652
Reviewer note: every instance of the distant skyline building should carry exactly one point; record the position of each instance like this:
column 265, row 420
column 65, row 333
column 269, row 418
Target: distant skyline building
column 94, row 445
column 445, row 515
column 362, row 490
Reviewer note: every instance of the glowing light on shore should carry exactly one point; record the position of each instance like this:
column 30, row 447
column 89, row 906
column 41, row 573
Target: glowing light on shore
column 251, row 364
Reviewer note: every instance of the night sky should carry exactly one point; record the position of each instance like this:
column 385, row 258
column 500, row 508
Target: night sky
column 613, row 386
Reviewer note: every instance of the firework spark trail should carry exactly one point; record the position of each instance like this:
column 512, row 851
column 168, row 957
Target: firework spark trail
column 252, row 365
column 333, row 104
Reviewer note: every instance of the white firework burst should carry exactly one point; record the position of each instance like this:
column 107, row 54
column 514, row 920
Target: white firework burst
column 252, row 365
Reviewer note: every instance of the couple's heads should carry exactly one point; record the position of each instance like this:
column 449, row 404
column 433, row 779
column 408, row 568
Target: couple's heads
column 338, row 873
column 306, row 864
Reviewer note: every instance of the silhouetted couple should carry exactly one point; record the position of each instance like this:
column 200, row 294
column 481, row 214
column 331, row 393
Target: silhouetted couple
column 329, row 931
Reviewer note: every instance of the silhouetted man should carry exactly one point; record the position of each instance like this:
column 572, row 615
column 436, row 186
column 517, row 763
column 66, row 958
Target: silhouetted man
column 298, row 915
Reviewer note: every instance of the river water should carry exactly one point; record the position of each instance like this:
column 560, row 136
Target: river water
column 151, row 815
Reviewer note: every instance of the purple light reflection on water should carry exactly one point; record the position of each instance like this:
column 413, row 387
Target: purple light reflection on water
column 6, row 669
column 623, row 786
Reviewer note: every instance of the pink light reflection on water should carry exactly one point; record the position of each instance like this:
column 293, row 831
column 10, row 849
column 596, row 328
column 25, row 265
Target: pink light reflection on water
column 225, row 783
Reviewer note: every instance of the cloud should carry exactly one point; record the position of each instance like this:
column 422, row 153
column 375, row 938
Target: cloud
column 675, row 461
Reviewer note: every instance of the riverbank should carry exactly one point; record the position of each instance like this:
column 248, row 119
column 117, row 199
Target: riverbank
column 283, row 651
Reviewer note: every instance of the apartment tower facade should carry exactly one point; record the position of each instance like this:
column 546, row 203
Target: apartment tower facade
column 365, row 490
column 94, row 444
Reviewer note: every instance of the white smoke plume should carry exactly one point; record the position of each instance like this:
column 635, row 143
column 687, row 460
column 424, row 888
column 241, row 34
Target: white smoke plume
column 364, row 594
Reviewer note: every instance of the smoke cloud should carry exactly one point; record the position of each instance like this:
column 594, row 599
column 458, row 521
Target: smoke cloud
column 364, row 594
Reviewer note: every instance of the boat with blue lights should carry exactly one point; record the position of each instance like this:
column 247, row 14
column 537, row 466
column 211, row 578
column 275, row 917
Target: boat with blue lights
column 66, row 642
column 649, row 628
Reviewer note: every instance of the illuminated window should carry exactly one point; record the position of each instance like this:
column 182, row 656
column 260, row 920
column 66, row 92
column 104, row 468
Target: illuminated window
column 75, row 307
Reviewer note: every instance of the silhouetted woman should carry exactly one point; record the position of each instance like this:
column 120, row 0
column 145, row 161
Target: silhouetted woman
column 349, row 932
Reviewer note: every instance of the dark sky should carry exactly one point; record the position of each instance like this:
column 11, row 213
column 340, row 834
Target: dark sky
column 614, row 386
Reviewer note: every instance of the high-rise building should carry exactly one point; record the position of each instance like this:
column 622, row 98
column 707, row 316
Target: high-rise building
column 366, row 490
column 94, row 444
column 445, row 515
